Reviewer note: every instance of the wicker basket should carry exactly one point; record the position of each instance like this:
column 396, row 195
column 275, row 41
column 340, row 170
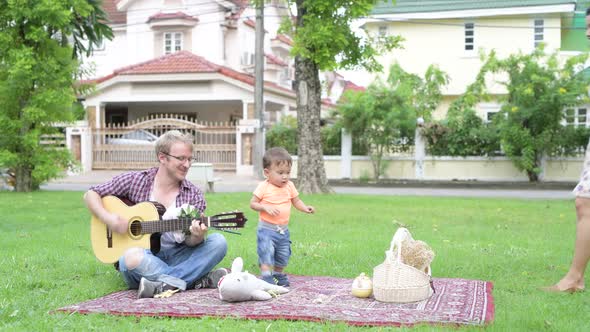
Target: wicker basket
column 394, row 281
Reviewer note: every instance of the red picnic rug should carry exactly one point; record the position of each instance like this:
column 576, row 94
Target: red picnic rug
column 456, row 302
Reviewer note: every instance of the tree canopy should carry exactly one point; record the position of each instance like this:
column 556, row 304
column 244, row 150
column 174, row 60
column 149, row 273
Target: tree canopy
column 39, row 43
column 324, row 40
column 384, row 115
column 540, row 87
column 324, row 35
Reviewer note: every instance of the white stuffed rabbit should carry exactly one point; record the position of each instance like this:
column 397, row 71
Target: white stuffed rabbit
column 240, row 286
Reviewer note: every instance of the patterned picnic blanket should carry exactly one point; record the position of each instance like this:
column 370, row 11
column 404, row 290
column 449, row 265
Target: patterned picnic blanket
column 456, row 302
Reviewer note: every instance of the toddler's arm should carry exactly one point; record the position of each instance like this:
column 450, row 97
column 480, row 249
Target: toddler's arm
column 299, row 205
column 257, row 206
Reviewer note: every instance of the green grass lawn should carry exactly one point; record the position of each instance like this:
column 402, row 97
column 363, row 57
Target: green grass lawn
column 519, row 245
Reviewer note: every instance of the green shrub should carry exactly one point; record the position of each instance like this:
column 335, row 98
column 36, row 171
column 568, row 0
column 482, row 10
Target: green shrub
column 467, row 136
column 463, row 135
column 365, row 176
column 571, row 141
column 331, row 140
column 284, row 134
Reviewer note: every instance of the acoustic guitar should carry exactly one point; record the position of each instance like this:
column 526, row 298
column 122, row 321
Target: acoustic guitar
column 144, row 220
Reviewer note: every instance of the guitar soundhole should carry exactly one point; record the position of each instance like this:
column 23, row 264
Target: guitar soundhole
column 135, row 228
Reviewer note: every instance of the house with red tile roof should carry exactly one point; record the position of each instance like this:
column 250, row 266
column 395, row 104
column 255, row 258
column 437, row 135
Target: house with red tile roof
column 194, row 59
column 211, row 37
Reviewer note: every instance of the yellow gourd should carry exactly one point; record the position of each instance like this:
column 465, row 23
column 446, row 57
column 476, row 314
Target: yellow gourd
column 362, row 286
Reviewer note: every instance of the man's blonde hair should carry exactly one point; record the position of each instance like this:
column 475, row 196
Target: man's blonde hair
column 164, row 143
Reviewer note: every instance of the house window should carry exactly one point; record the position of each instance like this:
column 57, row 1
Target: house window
column 488, row 111
column 539, row 32
column 248, row 59
column 490, row 116
column 469, row 37
column 286, row 76
column 576, row 117
column 172, row 42
column 382, row 30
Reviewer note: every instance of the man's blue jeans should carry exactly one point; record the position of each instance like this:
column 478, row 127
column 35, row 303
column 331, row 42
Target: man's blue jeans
column 179, row 266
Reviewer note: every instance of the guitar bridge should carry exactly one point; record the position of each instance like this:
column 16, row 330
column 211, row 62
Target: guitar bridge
column 109, row 238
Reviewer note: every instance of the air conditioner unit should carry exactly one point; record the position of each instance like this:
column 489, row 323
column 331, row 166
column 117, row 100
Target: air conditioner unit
column 247, row 59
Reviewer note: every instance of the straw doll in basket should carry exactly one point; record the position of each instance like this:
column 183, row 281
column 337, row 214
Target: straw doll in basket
column 417, row 253
column 405, row 275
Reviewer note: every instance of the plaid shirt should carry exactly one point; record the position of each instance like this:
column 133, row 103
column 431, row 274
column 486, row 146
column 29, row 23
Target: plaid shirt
column 137, row 187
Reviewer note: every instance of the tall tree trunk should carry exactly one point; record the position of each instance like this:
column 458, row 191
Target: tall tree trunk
column 311, row 173
column 23, row 179
column 533, row 177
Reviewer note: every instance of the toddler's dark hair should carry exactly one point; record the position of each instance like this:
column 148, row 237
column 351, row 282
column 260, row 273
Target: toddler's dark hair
column 276, row 156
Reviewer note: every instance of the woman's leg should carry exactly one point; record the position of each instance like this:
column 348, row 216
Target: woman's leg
column 574, row 278
column 575, row 275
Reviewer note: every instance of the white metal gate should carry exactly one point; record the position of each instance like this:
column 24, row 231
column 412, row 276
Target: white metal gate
column 132, row 145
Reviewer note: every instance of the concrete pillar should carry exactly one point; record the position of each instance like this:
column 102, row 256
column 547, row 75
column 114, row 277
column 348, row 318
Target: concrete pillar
column 251, row 111
column 91, row 115
column 419, row 149
column 346, row 155
column 244, row 146
column 238, row 148
column 245, row 110
column 95, row 114
column 543, row 167
column 79, row 141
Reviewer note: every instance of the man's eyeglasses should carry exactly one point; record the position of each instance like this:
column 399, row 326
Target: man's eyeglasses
column 181, row 159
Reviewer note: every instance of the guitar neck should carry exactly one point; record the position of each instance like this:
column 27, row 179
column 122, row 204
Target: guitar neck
column 168, row 225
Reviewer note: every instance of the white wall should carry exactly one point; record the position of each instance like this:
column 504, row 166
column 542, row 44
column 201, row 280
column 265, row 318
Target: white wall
column 232, row 48
column 112, row 56
column 441, row 42
column 482, row 169
column 140, row 37
column 208, row 37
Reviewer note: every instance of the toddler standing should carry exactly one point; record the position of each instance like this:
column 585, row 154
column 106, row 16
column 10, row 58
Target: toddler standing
column 273, row 199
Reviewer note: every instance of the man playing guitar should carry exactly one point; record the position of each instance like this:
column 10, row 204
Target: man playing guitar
column 183, row 260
